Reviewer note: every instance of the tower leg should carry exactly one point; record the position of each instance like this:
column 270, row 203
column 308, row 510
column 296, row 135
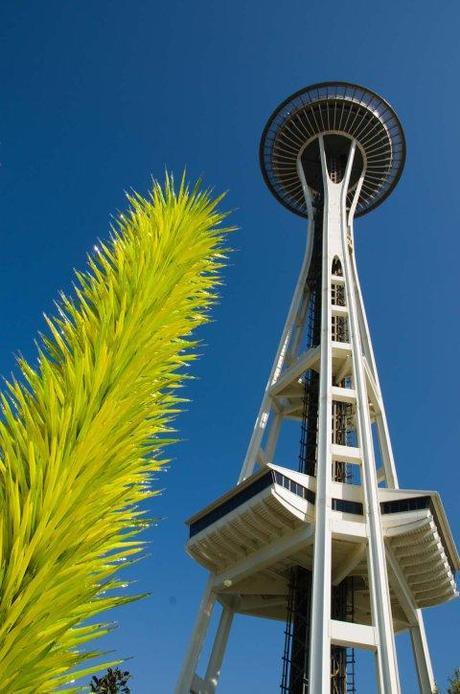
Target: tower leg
column 320, row 654
column 387, row 667
column 199, row 634
column 422, row 657
column 281, row 355
column 218, row 649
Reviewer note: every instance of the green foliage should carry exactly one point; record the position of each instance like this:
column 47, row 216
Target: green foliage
column 81, row 433
column 115, row 681
column 454, row 682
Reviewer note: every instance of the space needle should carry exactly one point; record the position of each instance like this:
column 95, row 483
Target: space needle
column 328, row 543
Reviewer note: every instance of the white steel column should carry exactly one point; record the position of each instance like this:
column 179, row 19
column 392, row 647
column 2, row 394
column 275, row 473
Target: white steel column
column 387, row 667
column 187, row 674
column 218, row 649
column 280, row 359
column 383, row 432
column 334, row 220
column 422, row 657
column 418, row 635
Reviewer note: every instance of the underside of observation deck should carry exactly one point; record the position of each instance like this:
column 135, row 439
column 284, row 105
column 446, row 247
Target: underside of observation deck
column 333, row 109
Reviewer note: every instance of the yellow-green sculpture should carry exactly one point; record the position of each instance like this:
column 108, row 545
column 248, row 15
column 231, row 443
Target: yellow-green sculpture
column 80, row 433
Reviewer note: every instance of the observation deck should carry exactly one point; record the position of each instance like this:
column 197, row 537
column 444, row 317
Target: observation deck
column 339, row 111
column 251, row 537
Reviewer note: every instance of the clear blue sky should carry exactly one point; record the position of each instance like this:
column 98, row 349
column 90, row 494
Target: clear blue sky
column 98, row 96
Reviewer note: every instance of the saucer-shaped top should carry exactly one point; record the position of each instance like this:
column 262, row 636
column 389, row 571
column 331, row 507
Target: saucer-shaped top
column 333, row 108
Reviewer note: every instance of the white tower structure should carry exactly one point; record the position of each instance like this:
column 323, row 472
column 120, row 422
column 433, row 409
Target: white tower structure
column 335, row 548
